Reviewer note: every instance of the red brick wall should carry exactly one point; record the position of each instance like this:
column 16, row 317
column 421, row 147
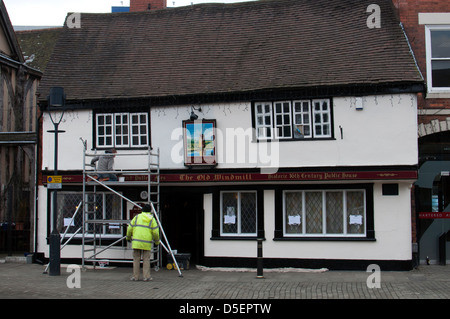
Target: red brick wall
column 142, row 5
column 408, row 11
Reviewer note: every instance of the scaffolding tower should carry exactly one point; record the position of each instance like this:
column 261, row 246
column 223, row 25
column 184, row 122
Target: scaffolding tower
column 92, row 223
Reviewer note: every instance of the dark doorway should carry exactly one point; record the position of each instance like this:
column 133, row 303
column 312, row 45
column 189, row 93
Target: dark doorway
column 182, row 220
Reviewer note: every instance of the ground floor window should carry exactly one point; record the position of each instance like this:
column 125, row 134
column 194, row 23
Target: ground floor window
column 324, row 212
column 100, row 205
column 238, row 213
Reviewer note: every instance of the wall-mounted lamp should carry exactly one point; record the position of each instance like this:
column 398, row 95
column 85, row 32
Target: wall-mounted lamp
column 194, row 116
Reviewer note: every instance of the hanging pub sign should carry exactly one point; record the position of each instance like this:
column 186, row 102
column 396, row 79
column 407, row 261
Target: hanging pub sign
column 199, row 142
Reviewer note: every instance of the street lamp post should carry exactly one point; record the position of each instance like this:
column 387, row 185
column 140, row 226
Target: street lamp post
column 56, row 102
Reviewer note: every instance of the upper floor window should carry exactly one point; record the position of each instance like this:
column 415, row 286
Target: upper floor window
column 438, row 58
column 122, row 130
column 296, row 119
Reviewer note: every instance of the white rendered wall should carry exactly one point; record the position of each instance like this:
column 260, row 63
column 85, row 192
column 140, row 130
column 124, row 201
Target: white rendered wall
column 383, row 133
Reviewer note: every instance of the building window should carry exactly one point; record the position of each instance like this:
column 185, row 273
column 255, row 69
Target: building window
column 238, row 213
column 263, row 115
column 298, row 119
column 122, row 130
column 283, row 122
column 101, row 205
column 321, row 116
column 337, row 213
column 302, row 119
column 438, row 58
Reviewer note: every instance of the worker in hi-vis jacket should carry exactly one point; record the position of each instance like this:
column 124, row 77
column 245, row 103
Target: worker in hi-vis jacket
column 143, row 231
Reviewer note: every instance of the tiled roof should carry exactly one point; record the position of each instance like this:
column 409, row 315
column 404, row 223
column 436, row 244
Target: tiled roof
column 37, row 45
column 240, row 47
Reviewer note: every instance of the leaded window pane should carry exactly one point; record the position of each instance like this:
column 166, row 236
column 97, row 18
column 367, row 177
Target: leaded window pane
column 229, row 212
column 248, row 213
column 294, row 211
column 335, row 217
column 313, row 212
column 355, row 212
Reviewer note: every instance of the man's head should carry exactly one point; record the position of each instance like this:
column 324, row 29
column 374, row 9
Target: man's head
column 146, row 209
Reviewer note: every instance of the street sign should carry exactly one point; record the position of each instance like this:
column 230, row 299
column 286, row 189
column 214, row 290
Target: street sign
column 54, row 182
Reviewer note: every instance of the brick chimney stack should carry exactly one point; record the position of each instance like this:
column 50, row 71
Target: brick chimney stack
column 146, row 5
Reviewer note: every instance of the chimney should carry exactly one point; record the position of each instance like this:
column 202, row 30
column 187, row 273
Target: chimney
column 146, row 5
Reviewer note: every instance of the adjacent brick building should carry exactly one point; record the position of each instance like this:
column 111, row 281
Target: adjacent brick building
column 417, row 16
column 427, row 26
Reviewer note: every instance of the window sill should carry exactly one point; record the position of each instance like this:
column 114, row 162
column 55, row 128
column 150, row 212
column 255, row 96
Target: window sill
column 324, row 239
column 236, row 238
column 252, row 238
column 438, row 95
column 297, row 139
column 120, row 148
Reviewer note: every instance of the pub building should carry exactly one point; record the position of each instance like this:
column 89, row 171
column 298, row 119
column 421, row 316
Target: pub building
column 294, row 122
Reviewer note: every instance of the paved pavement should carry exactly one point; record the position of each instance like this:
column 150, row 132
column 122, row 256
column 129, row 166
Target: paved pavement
column 20, row 280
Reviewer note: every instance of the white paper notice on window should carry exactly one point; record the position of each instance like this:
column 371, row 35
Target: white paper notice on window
column 294, row 220
column 67, row 222
column 230, row 219
column 355, row 219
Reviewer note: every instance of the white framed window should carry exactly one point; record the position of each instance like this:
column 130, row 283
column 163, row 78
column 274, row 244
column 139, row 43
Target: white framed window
column 263, row 120
column 104, row 130
column 238, row 213
column 324, row 213
column 322, row 118
column 294, row 120
column 283, row 122
column 122, row 130
column 437, row 39
column 302, row 119
column 139, row 129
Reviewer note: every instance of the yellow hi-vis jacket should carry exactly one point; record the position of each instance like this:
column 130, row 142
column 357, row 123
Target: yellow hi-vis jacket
column 143, row 230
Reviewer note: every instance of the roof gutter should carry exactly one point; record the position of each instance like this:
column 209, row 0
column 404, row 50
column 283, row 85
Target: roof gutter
column 16, row 64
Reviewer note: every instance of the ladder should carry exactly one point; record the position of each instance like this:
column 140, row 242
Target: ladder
column 92, row 226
